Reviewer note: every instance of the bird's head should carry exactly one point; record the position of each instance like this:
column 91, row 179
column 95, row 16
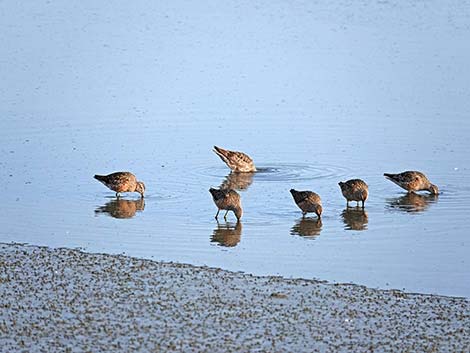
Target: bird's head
column 140, row 188
column 433, row 189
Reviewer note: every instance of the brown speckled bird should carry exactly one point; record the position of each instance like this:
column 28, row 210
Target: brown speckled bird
column 228, row 200
column 122, row 182
column 308, row 201
column 413, row 181
column 237, row 161
column 354, row 190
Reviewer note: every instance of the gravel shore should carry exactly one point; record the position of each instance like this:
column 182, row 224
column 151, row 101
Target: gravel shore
column 63, row 300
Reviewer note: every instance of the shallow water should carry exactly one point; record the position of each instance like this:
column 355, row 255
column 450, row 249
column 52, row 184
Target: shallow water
column 314, row 93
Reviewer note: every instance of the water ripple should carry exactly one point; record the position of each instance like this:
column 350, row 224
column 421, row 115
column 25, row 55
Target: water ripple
column 291, row 172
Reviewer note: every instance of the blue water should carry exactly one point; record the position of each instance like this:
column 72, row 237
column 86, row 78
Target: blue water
column 314, row 93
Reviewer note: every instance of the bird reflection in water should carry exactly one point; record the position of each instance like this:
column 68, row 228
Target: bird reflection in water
column 227, row 234
column 237, row 181
column 307, row 227
column 355, row 218
column 412, row 202
column 120, row 208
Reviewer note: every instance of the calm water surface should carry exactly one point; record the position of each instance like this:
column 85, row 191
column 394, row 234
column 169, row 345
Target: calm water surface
column 316, row 94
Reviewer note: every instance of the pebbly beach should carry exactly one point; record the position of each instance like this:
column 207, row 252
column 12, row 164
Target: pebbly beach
column 66, row 300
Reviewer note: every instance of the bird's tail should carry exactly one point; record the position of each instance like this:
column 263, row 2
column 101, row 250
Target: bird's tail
column 101, row 178
column 295, row 194
column 217, row 194
column 223, row 154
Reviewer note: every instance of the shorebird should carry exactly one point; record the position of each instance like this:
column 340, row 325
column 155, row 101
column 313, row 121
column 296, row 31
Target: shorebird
column 237, row 161
column 228, row 200
column 122, row 182
column 354, row 190
column 413, row 181
column 308, row 201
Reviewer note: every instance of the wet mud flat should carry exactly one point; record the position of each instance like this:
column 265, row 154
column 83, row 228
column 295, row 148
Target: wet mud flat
column 70, row 301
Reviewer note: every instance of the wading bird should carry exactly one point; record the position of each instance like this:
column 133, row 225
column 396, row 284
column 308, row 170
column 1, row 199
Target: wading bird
column 413, row 181
column 122, row 182
column 228, row 200
column 237, row 161
column 354, row 190
column 308, row 201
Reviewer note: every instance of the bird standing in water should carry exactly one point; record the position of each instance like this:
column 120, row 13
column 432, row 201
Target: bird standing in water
column 308, row 201
column 122, row 182
column 237, row 161
column 413, row 181
column 354, row 190
column 228, row 200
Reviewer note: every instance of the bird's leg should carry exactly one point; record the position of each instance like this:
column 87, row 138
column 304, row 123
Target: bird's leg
column 357, row 203
column 117, row 195
column 225, row 215
column 347, row 203
column 217, row 214
column 303, row 214
column 362, row 204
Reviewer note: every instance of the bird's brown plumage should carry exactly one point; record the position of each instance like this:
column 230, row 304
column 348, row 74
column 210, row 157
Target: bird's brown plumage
column 308, row 201
column 237, row 161
column 354, row 190
column 228, row 200
column 413, row 181
column 122, row 182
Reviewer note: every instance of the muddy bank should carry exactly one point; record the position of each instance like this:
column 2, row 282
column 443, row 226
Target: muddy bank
column 67, row 300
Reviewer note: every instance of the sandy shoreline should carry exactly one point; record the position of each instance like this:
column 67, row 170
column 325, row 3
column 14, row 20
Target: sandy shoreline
column 67, row 300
